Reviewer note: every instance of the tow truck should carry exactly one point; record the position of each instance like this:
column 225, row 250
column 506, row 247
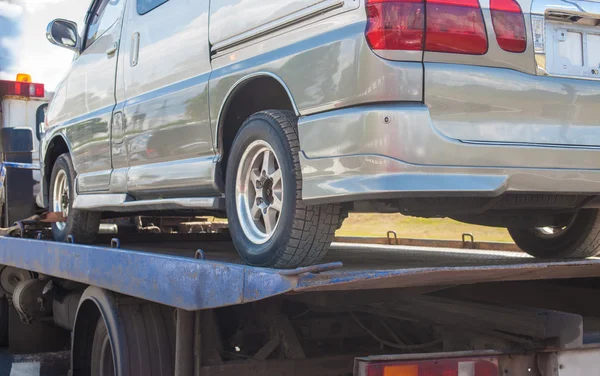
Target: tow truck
column 22, row 110
column 185, row 304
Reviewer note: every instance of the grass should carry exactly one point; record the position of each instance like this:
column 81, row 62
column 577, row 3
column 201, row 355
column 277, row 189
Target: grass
column 358, row 224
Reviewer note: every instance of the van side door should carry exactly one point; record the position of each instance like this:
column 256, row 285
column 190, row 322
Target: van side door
column 91, row 95
column 164, row 86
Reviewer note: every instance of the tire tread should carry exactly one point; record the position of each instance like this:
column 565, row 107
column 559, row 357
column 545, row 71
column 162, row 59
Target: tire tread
column 581, row 240
column 313, row 226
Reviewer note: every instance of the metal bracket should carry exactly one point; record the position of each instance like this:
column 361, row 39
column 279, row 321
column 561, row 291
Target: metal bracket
column 315, row 269
column 470, row 243
column 395, row 238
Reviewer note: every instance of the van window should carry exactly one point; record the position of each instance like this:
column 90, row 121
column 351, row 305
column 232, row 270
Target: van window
column 105, row 14
column 145, row 6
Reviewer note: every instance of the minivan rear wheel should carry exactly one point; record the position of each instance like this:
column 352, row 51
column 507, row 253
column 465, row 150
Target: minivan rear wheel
column 580, row 238
column 81, row 225
column 269, row 223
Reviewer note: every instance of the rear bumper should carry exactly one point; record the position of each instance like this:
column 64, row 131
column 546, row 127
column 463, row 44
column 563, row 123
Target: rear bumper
column 393, row 150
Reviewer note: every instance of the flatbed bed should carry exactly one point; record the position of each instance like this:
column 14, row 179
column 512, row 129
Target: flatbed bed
column 164, row 268
column 188, row 302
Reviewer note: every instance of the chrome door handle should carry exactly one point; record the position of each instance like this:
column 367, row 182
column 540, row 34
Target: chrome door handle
column 113, row 49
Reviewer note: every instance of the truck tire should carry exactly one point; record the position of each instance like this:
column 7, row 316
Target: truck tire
column 81, row 225
column 269, row 224
column 149, row 343
column 102, row 361
column 579, row 239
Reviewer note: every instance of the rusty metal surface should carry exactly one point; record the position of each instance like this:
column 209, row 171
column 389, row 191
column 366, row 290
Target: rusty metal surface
column 176, row 281
column 163, row 268
column 375, row 267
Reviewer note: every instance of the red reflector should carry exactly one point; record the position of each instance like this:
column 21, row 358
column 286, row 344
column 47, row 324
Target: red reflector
column 21, row 89
column 39, row 90
column 440, row 367
column 395, row 25
column 455, row 26
column 509, row 25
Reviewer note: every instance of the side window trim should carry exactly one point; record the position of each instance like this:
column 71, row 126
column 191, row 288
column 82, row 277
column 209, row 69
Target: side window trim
column 88, row 16
column 141, row 10
column 92, row 11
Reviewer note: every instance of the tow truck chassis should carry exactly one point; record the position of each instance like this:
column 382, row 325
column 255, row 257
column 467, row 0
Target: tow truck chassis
column 184, row 304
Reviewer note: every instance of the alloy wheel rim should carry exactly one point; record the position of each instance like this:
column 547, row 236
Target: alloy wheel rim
column 259, row 192
column 61, row 197
column 550, row 232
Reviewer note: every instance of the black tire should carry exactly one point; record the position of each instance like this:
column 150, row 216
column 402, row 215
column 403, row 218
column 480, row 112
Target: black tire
column 82, row 225
column 580, row 239
column 102, row 361
column 303, row 235
column 149, row 343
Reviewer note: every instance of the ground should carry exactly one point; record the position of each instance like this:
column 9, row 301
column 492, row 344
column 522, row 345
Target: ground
column 421, row 228
column 49, row 364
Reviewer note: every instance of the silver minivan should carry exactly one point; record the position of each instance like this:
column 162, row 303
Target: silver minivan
column 284, row 116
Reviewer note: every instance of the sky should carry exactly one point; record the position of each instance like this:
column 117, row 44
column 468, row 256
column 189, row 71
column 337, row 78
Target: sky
column 23, row 44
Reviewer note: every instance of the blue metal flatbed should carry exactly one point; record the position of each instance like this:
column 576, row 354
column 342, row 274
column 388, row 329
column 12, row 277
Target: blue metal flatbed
column 163, row 269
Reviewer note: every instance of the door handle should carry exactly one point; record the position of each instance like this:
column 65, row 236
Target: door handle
column 135, row 49
column 112, row 49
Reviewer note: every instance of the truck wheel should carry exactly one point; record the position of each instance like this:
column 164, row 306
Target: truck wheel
column 269, row 224
column 578, row 239
column 82, row 225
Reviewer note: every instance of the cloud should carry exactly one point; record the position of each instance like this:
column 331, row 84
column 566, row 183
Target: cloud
column 26, row 49
column 36, row 5
column 9, row 29
column 10, row 10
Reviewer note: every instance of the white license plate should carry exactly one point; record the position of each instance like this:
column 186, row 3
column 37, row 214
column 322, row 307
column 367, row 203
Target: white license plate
column 573, row 50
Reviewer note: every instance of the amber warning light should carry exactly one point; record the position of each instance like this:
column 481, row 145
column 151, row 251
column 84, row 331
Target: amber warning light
column 22, row 87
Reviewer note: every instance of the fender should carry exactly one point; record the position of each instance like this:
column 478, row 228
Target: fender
column 230, row 94
column 93, row 300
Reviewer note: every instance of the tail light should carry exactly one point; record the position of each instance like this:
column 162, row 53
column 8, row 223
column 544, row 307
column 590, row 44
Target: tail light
column 438, row 367
column 396, row 25
column 21, row 89
column 454, row 26
column 509, row 25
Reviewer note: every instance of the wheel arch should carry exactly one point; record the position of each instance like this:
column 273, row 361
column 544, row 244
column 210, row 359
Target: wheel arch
column 98, row 304
column 240, row 102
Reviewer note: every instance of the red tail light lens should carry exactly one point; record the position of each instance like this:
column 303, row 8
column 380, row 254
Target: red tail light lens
column 455, row 26
column 21, row 89
column 440, row 367
column 509, row 25
column 395, row 25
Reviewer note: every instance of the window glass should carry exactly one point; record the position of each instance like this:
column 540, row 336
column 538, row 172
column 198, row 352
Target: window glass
column 145, row 6
column 104, row 15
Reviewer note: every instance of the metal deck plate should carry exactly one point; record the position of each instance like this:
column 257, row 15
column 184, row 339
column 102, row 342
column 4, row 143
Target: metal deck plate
column 163, row 270
column 369, row 267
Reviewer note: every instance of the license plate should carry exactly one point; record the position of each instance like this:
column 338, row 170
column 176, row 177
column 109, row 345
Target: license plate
column 573, row 50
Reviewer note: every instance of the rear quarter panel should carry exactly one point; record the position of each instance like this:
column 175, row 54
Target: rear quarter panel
column 499, row 98
column 323, row 59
